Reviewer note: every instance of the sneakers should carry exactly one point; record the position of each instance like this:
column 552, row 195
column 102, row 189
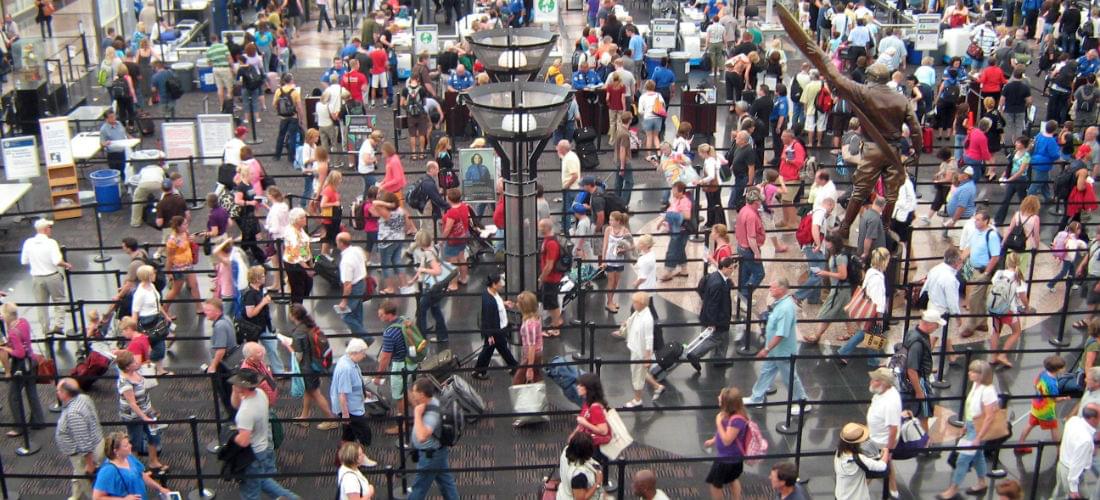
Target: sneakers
column 657, row 392
column 368, row 463
column 1050, row 289
column 327, row 426
column 633, row 403
column 796, row 411
column 748, row 401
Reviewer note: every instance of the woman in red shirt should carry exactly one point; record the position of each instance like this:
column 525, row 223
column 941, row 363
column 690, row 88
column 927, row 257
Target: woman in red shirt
column 720, row 244
column 593, row 417
column 330, row 210
column 456, row 228
column 976, row 151
column 616, row 104
column 394, row 181
column 21, row 354
column 1082, row 198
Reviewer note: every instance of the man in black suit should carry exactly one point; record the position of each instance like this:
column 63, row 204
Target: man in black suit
column 717, row 309
column 494, row 326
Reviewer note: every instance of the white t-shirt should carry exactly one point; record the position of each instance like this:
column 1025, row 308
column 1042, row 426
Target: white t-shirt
column 646, row 269
column 646, row 103
column 232, row 153
column 366, row 158
column 151, row 174
column 323, row 118
column 353, row 265
column 570, row 165
column 716, row 33
column 146, row 301
column 978, row 397
column 352, row 482
column 885, row 411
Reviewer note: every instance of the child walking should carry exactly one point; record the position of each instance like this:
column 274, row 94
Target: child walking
column 1042, row 414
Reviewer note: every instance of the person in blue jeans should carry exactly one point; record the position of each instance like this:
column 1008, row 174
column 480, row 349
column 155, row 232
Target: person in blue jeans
column 291, row 122
column 982, row 402
column 1043, row 155
column 815, row 253
column 353, row 276
column 430, row 454
column 874, row 289
column 781, row 342
column 254, row 431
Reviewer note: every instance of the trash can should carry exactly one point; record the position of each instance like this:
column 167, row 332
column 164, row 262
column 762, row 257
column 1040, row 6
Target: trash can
column 914, row 55
column 679, row 62
column 107, row 194
column 185, row 73
column 206, row 76
column 653, row 58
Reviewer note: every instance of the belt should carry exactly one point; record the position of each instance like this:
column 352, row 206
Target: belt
column 45, row 275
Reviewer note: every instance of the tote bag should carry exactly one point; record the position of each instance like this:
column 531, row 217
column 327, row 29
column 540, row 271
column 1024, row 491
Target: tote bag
column 620, row 436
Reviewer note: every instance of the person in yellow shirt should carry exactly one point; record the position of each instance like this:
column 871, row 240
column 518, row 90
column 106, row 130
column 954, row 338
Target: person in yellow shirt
column 554, row 75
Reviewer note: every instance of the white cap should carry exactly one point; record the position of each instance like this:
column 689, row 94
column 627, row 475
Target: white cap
column 930, row 315
column 41, row 224
column 356, row 345
column 969, row 171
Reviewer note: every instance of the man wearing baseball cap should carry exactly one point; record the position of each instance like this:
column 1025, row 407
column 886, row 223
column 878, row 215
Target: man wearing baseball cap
column 43, row 255
column 254, row 430
column 884, row 416
column 963, row 203
column 918, row 365
column 347, row 396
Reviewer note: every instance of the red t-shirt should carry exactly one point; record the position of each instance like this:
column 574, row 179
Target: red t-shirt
column 550, row 251
column 724, row 250
column 498, row 213
column 992, row 79
column 370, row 222
column 615, row 98
column 354, row 81
column 139, row 345
column 378, row 61
column 329, row 195
column 596, row 416
column 460, row 229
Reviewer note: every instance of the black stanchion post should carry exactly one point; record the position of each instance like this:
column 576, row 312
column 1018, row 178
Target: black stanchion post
column 195, row 203
column 697, row 193
column 51, row 353
column 28, row 448
column 389, row 481
column 200, row 493
column 101, row 258
column 941, row 382
column 957, row 420
column 596, row 365
column 69, row 289
column 7, row 495
column 84, row 342
column 798, row 440
column 216, row 445
column 908, row 307
column 785, row 426
column 1060, row 340
column 745, row 349
column 401, row 428
column 252, row 122
column 1031, row 270
column 581, row 319
column 283, row 298
column 1035, row 471
column 622, row 473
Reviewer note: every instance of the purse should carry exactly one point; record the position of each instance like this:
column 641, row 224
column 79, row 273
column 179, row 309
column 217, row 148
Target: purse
column 873, row 337
column 620, row 436
column 861, row 306
column 999, row 427
column 45, row 369
column 194, row 253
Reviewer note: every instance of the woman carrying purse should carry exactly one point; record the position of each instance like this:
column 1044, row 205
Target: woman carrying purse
column 21, row 352
column 867, row 307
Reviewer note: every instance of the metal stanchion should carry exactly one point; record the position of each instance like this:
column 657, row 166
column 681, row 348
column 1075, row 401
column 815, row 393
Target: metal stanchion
column 252, row 121
column 940, row 382
column 593, row 362
column 52, row 354
column 1031, row 270
column 28, row 448
column 746, row 349
column 68, row 289
column 283, row 297
column 195, row 200
column 785, row 426
column 7, row 495
column 798, row 440
column 389, row 481
column 1035, row 471
column 596, row 366
column 621, row 475
column 696, row 237
column 958, row 420
column 1059, row 340
column 101, row 258
column 200, row 493
column 402, row 431
column 216, row 445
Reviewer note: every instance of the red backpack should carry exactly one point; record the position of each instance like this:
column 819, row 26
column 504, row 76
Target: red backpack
column 824, row 101
column 322, row 352
column 805, row 233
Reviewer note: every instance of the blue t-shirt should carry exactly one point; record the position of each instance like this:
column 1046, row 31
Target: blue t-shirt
column 637, row 47
column 160, row 81
column 264, row 40
column 983, row 246
column 393, row 342
column 781, row 323
column 964, row 197
column 431, row 421
column 346, row 379
column 118, row 482
column 1045, row 152
column 348, row 51
column 329, row 72
column 663, row 77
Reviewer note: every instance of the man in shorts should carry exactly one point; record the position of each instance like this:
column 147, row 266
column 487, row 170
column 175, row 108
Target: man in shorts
column 918, row 365
column 815, row 118
column 412, row 105
column 379, row 71
column 549, row 278
column 1090, row 267
column 392, row 359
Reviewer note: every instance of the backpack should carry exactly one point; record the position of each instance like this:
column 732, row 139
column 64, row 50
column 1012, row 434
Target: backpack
column 1059, row 246
column 358, row 219
column 950, row 94
column 753, row 443
column 119, row 89
column 414, row 105
column 415, row 344
column 1016, row 240
column 1063, row 184
column 843, row 107
column 1086, row 30
column 855, row 269
column 321, row 351
column 804, row 234
column 416, row 197
column 284, row 104
column 912, row 438
column 898, row 363
column 251, row 77
column 564, row 264
column 1001, row 294
column 452, row 420
column 102, row 76
column 448, row 179
column 796, row 90
column 1087, row 104
column 824, row 100
column 612, row 203
column 173, row 88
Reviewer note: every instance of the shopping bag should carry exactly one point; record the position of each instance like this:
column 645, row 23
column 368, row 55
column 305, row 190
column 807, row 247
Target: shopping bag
column 529, row 398
column 297, row 383
column 620, row 436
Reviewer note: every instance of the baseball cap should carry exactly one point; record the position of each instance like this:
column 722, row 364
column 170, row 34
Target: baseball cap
column 969, row 171
column 579, row 209
column 933, row 316
column 588, row 181
column 41, row 224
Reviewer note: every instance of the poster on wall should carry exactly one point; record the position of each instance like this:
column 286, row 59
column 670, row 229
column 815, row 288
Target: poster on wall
column 179, row 140
column 359, row 127
column 427, row 38
column 927, row 36
column 55, row 141
column 214, row 132
column 477, row 167
column 20, row 157
column 546, row 11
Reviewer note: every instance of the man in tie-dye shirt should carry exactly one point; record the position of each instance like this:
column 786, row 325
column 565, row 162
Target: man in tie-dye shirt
column 1043, row 405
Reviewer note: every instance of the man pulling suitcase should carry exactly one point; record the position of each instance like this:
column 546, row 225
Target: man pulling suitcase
column 715, row 314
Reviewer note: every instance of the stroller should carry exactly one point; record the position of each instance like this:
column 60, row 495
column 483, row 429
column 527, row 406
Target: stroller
column 478, row 243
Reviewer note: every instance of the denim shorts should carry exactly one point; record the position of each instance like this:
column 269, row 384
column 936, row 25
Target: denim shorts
column 390, row 258
column 451, row 251
column 652, row 124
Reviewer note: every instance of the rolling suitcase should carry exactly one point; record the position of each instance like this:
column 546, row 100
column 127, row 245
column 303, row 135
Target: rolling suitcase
column 329, row 269
column 343, row 21
column 926, row 133
column 468, row 398
column 585, row 140
column 699, row 347
column 145, row 124
column 667, row 359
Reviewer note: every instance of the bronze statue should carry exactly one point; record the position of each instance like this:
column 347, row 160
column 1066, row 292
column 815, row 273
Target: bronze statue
column 881, row 113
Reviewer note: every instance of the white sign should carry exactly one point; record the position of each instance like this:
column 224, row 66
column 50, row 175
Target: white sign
column 546, row 11
column 664, row 33
column 926, row 36
column 179, row 140
column 214, row 132
column 20, row 157
column 426, row 39
column 55, row 141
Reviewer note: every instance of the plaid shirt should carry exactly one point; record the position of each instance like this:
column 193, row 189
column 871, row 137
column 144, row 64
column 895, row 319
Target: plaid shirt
column 530, row 334
column 78, row 430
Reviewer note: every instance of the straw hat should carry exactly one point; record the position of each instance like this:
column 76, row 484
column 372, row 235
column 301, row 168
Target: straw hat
column 882, row 374
column 854, row 433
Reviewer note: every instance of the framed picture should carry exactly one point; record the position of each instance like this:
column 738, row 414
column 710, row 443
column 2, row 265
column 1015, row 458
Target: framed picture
column 477, row 167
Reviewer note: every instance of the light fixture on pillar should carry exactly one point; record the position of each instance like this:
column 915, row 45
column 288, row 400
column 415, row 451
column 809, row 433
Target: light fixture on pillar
column 511, row 53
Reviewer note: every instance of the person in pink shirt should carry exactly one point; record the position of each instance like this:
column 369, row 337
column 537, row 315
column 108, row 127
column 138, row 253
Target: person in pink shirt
column 679, row 212
column 791, row 160
column 750, row 240
column 976, row 148
column 394, row 181
column 22, row 361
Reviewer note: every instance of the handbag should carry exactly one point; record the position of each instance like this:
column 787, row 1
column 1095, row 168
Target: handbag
column 873, row 337
column 248, row 331
column 620, row 436
column 550, row 486
column 297, row 383
column 194, row 253
column 45, row 369
column 861, row 306
column 998, row 428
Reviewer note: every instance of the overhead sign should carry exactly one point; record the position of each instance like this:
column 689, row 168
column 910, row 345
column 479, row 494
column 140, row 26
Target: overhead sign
column 664, row 33
column 20, row 157
column 927, row 32
column 214, row 132
column 55, row 141
column 179, row 140
column 546, row 11
column 427, row 39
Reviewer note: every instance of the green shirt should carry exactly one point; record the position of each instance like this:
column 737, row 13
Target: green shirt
column 218, row 55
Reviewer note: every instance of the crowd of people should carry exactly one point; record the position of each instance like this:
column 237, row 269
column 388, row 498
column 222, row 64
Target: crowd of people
column 422, row 234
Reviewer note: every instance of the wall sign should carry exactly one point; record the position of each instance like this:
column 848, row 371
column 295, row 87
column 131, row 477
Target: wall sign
column 55, row 141
column 179, row 140
column 20, row 157
column 214, row 132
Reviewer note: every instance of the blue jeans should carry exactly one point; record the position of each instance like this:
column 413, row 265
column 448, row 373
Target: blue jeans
column 390, row 258
column 751, row 273
column 423, row 482
column 1066, row 272
column 251, row 489
column 812, row 293
column 768, row 372
column 624, row 184
column 852, row 344
column 307, row 191
column 965, row 461
column 271, row 345
column 354, row 318
column 252, row 102
column 1039, row 184
column 426, row 305
column 567, row 196
column 288, row 136
column 140, row 436
column 959, row 140
column 1015, row 189
column 738, row 193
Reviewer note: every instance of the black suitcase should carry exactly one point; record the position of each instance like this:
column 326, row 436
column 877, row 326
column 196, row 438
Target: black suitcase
column 145, row 124
column 328, row 269
column 667, row 359
column 343, row 21
column 699, row 347
column 585, row 135
column 589, row 160
column 441, row 365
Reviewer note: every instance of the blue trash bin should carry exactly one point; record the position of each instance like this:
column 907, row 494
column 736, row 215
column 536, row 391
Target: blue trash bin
column 106, row 183
column 653, row 59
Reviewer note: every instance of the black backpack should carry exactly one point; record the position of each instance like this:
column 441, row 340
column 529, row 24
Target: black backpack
column 564, row 264
column 414, row 105
column 284, row 105
column 855, row 269
column 1017, row 238
column 796, row 90
column 1087, row 103
column 119, row 89
column 173, row 87
column 452, row 420
column 950, row 94
column 612, row 203
column 251, row 77
column 1063, row 184
column 416, row 197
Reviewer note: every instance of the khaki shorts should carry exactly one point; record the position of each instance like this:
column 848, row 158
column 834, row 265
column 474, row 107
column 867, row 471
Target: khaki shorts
column 223, row 78
column 397, row 384
column 637, row 375
column 792, row 191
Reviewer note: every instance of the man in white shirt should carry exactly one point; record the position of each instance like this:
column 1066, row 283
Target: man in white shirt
column 43, row 255
column 1075, row 454
column 570, row 176
column 353, row 276
column 942, row 287
column 884, row 417
column 368, row 161
column 150, row 179
column 232, row 151
column 1092, row 391
column 639, row 341
column 891, row 41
